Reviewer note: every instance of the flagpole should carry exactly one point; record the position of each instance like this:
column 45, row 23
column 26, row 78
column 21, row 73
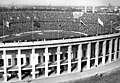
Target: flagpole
column 80, row 21
column 58, row 26
column 97, row 28
column 3, row 30
column 32, row 25
column 32, row 30
column 111, row 26
column 58, row 31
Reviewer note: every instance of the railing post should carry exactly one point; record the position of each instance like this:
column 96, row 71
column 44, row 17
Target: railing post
column 69, row 58
column 88, row 55
column 115, row 49
column 46, row 61
column 110, row 50
column 79, row 54
column 19, row 64
column 104, row 52
column 33, row 62
column 5, row 65
column 58, row 60
column 96, row 53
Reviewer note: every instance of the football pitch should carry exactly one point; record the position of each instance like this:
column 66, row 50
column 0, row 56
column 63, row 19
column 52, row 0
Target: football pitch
column 41, row 35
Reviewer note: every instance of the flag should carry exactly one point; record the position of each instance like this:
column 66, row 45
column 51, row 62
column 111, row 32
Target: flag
column 28, row 17
column 11, row 18
column 60, row 25
column 18, row 18
column 36, row 23
column 35, row 17
column 100, row 22
column 82, row 22
column 7, row 24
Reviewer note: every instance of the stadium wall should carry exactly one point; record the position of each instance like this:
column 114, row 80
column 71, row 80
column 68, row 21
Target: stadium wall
column 86, row 54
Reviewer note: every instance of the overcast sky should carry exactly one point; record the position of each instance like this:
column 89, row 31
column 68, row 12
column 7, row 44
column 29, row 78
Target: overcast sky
column 60, row 2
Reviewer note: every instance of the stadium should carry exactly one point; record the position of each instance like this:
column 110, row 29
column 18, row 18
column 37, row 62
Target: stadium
column 56, row 44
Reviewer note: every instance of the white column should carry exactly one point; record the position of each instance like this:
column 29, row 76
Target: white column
column 96, row 53
column 5, row 65
column 69, row 58
column 88, row 55
column 110, row 50
column 93, row 9
column 104, row 52
column 79, row 54
column 33, row 62
column 46, row 61
column 58, row 60
column 115, row 48
column 19, row 64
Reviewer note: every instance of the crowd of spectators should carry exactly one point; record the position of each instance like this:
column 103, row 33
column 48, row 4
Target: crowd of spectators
column 24, row 21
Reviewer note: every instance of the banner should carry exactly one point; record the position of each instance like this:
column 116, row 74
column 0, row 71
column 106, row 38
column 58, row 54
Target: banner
column 100, row 22
column 77, row 14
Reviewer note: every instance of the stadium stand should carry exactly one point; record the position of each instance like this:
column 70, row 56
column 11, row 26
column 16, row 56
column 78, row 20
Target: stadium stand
column 21, row 21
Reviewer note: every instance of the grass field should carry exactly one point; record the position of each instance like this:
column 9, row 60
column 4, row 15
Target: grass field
column 41, row 35
column 113, row 77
